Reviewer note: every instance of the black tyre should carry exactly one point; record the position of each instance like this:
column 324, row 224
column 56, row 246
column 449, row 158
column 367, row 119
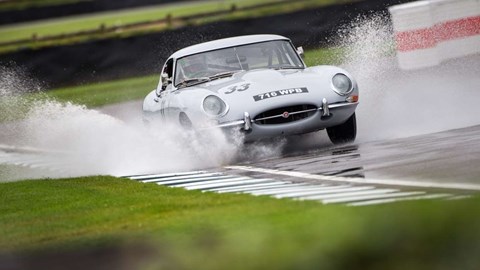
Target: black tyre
column 343, row 133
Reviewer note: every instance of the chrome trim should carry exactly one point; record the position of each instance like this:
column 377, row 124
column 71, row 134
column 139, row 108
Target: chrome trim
column 325, row 108
column 326, row 113
column 243, row 123
column 231, row 124
column 342, row 104
column 281, row 115
column 248, row 121
column 336, row 90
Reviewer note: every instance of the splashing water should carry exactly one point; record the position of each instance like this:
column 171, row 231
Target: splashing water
column 88, row 142
column 393, row 104
column 80, row 141
column 365, row 43
column 396, row 103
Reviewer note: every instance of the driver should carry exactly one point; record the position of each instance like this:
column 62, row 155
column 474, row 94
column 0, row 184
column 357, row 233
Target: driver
column 193, row 65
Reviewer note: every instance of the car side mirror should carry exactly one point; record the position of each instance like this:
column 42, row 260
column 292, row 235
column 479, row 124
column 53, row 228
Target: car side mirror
column 165, row 80
column 301, row 52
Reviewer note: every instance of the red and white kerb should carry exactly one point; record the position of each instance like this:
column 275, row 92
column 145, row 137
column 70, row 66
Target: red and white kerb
column 429, row 32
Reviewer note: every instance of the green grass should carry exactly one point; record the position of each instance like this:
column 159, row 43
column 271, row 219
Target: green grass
column 25, row 4
column 57, row 27
column 323, row 56
column 113, row 18
column 193, row 230
column 92, row 95
column 99, row 94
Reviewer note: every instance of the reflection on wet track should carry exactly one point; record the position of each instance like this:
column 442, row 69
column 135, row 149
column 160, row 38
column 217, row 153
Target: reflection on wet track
column 445, row 158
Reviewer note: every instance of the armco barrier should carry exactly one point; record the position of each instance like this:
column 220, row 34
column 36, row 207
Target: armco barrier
column 431, row 31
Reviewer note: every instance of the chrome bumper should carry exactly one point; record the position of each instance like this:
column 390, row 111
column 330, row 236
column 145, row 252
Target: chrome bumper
column 246, row 122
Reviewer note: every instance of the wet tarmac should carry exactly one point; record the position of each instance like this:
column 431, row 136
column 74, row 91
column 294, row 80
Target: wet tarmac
column 450, row 158
column 438, row 166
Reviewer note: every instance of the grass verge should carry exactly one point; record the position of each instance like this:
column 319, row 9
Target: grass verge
column 25, row 4
column 104, row 93
column 180, row 229
column 76, row 29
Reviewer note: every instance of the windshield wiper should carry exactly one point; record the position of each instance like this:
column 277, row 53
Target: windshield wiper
column 288, row 67
column 223, row 74
column 193, row 81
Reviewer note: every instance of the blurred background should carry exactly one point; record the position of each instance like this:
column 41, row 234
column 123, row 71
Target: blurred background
column 73, row 42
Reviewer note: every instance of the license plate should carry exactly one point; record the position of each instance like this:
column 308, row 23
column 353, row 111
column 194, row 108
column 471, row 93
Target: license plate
column 279, row 93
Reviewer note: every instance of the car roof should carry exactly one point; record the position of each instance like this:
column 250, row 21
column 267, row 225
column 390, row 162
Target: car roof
column 225, row 43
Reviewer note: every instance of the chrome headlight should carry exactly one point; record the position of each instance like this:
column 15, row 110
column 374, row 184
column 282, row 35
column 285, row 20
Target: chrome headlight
column 214, row 106
column 342, row 84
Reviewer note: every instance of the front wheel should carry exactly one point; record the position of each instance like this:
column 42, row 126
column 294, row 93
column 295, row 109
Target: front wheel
column 343, row 133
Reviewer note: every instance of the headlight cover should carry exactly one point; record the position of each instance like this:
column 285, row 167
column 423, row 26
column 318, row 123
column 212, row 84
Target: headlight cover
column 214, row 106
column 342, row 85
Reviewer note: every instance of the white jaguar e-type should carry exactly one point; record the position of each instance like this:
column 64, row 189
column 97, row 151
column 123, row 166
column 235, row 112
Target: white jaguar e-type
column 257, row 84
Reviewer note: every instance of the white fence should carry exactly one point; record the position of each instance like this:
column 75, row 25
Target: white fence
column 431, row 31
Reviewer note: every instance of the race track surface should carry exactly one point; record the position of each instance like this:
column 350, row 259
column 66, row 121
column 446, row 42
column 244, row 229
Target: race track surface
column 442, row 165
column 435, row 166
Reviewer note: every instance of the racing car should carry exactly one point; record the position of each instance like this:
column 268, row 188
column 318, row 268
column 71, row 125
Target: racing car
column 257, row 84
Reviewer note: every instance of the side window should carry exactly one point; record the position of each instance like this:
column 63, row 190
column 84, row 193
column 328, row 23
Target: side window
column 168, row 68
column 165, row 76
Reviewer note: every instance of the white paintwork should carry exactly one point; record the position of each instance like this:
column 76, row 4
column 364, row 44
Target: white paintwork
column 159, row 176
column 252, row 187
column 293, row 192
column 343, row 193
column 390, row 182
column 191, row 177
column 193, row 180
column 313, row 194
column 372, row 197
column 398, row 199
column 227, row 184
column 347, row 194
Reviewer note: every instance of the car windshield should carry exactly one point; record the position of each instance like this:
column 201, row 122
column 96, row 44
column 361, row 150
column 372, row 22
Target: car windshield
column 278, row 54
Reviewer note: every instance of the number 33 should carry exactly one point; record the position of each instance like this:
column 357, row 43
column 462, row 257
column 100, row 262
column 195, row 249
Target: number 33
column 239, row 88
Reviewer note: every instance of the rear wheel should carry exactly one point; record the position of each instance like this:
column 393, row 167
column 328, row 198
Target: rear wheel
column 343, row 133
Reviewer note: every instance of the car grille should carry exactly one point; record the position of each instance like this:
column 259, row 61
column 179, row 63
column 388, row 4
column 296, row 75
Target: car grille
column 285, row 114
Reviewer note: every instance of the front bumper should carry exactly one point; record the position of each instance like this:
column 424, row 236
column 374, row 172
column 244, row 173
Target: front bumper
column 328, row 115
